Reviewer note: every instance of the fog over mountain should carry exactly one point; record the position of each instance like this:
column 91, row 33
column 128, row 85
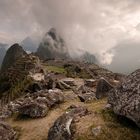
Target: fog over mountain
column 126, row 58
column 96, row 26
column 29, row 44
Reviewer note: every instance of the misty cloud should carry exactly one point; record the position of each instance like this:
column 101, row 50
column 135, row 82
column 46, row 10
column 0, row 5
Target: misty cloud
column 96, row 26
column 126, row 57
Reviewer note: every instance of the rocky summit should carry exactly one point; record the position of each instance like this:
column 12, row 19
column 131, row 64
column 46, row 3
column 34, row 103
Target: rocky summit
column 52, row 46
column 125, row 99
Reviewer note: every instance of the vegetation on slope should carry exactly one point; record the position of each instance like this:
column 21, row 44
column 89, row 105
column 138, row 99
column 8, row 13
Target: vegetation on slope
column 55, row 69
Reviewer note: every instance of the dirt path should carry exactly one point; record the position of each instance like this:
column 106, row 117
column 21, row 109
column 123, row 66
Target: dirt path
column 37, row 129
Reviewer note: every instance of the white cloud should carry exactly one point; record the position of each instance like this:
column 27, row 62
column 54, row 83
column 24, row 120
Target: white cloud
column 96, row 26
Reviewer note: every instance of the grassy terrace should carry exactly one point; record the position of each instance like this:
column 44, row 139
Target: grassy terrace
column 55, row 69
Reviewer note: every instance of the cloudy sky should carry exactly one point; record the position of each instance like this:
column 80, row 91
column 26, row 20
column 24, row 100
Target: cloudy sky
column 98, row 26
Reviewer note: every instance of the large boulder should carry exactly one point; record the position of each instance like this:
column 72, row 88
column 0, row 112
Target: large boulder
column 125, row 99
column 103, row 87
column 33, row 109
column 6, row 132
column 90, row 82
column 63, row 128
column 85, row 93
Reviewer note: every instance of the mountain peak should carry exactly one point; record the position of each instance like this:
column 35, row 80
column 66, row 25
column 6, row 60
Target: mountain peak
column 53, row 33
column 12, row 54
column 52, row 46
column 15, row 47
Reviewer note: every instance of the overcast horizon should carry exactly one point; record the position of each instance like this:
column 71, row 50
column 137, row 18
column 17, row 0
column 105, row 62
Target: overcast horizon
column 101, row 27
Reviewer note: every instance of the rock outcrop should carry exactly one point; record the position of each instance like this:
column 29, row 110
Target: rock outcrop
column 33, row 109
column 6, row 132
column 103, row 87
column 85, row 94
column 52, row 46
column 33, row 105
column 125, row 99
column 63, row 127
column 90, row 82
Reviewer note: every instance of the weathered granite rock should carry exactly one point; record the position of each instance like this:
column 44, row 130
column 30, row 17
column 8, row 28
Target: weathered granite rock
column 55, row 97
column 125, row 99
column 59, row 84
column 87, row 97
column 34, row 105
column 69, row 81
column 38, row 104
column 63, row 128
column 84, row 89
column 6, row 132
column 62, row 85
column 90, row 82
column 85, row 94
column 103, row 87
column 33, row 109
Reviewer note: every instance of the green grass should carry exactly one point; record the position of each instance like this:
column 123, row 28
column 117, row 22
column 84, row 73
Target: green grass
column 71, row 72
column 117, row 127
column 55, row 69
column 113, row 127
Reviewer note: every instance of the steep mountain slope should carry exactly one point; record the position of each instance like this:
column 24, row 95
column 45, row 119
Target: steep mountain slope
column 17, row 70
column 52, row 46
column 89, row 58
column 12, row 54
column 2, row 52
